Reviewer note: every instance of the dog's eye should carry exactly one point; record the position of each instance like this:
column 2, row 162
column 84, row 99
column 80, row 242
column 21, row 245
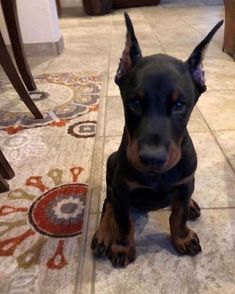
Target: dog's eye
column 134, row 103
column 179, row 107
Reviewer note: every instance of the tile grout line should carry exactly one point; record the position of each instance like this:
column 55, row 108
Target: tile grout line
column 93, row 270
column 202, row 208
column 217, row 142
column 92, row 289
column 220, row 90
column 86, row 222
column 48, row 65
column 108, row 72
column 218, row 208
column 223, row 130
column 155, row 35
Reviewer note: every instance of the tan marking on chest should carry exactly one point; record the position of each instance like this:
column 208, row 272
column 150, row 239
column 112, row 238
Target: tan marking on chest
column 132, row 185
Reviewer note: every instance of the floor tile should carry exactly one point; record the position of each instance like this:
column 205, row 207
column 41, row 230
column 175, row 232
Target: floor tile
column 197, row 122
column 102, row 106
column 111, row 145
column 113, row 89
column 226, row 140
column 94, row 20
column 81, row 59
column 68, row 22
column 219, row 73
column 97, row 176
column 85, row 50
column 215, row 179
column 218, row 108
column 38, row 65
column 114, row 116
column 85, row 273
column 159, row 268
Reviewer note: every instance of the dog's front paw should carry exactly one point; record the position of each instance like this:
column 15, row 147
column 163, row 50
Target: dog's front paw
column 100, row 243
column 194, row 210
column 189, row 245
column 121, row 255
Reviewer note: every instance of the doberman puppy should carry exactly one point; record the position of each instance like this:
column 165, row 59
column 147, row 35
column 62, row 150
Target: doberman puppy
column 155, row 164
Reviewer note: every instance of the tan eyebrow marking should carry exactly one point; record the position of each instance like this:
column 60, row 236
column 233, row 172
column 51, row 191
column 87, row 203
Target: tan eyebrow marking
column 175, row 95
column 140, row 94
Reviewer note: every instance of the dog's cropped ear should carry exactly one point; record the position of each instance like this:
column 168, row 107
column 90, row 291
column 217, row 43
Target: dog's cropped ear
column 195, row 60
column 130, row 55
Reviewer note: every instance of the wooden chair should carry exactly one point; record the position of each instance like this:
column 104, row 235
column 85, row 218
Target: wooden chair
column 11, row 72
column 6, row 172
column 11, row 18
column 12, row 23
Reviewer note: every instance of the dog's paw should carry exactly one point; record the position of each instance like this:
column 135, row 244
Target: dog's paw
column 194, row 210
column 189, row 245
column 100, row 243
column 121, row 255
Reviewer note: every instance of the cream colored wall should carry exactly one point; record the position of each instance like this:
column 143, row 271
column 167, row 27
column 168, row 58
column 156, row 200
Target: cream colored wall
column 38, row 21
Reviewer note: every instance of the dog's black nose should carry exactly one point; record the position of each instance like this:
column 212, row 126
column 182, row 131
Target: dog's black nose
column 154, row 157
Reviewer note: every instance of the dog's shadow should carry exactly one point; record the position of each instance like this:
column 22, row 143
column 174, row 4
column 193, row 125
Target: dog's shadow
column 149, row 242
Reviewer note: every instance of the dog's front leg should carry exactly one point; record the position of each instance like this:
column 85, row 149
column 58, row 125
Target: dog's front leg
column 122, row 250
column 184, row 239
column 115, row 235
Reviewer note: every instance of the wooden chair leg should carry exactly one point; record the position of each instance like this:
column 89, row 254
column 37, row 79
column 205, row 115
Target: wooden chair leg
column 9, row 68
column 4, row 186
column 59, row 10
column 5, row 169
column 6, row 172
column 11, row 18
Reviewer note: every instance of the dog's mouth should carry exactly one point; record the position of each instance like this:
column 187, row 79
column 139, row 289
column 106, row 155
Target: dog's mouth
column 149, row 170
column 173, row 157
column 152, row 171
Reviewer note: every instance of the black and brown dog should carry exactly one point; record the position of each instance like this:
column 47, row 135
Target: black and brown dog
column 155, row 164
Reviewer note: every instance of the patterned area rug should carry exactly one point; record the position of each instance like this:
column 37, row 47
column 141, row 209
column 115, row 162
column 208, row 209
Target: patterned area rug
column 41, row 217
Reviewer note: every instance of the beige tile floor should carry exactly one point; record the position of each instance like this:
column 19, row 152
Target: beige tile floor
column 95, row 43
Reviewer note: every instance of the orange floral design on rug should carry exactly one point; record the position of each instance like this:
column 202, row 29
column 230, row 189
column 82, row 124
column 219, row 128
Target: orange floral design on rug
column 56, row 214
column 66, row 96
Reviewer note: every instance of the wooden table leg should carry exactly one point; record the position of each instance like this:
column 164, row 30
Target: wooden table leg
column 5, row 169
column 11, row 18
column 9, row 68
